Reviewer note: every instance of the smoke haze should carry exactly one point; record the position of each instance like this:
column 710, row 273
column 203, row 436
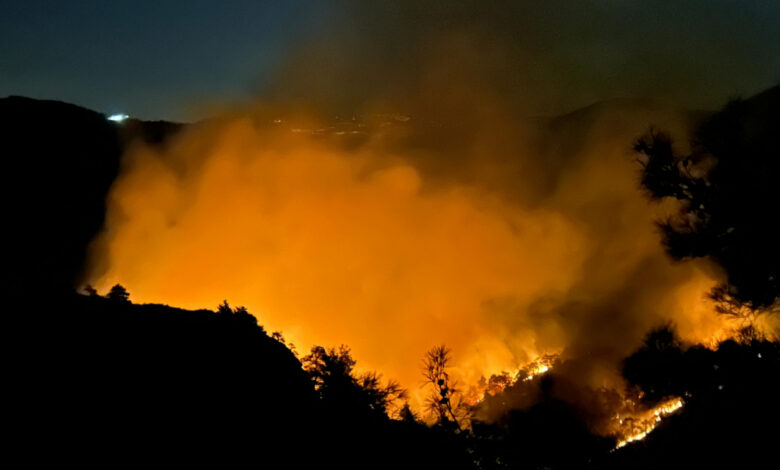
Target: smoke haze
column 393, row 193
column 384, row 240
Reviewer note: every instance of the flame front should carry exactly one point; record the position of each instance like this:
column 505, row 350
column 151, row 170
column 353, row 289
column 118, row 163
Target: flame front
column 632, row 426
column 498, row 382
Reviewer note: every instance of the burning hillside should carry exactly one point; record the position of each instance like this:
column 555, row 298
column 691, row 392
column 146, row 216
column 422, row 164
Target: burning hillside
column 504, row 239
column 635, row 426
column 463, row 235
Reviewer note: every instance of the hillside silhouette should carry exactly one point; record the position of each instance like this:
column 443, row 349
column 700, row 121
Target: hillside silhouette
column 60, row 159
column 123, row 383
column 171, row 385
column 100, row 381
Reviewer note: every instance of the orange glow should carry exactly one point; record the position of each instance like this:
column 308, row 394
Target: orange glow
column 489, row 236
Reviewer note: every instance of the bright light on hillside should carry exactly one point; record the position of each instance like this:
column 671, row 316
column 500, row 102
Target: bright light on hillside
column 118, row 117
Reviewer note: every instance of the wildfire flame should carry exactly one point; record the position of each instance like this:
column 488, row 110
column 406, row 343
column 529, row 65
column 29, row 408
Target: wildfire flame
column 635, row 426
column 540, row 370
column 500, row 381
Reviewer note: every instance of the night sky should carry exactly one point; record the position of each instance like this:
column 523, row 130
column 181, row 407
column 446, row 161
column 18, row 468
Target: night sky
column 175, row 60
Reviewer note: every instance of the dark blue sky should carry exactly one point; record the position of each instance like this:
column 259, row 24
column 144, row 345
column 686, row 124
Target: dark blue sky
column 149, row 58
column 173, row 59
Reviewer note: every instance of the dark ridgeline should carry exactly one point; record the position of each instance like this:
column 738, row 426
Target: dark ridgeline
column 152, row 384
column 101, row 381
column 60, row 160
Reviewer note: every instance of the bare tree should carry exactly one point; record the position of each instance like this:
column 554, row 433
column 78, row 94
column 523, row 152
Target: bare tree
column 446, row 401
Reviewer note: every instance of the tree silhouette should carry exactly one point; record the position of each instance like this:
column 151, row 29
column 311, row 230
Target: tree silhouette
column 332, row 371
column 445, row 401
column 224, row 308
column 119, row 294
column 238, row 316
column 728, row 187
column 406, row 414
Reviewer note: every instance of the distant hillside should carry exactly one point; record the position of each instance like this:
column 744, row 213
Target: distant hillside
column 60, row 161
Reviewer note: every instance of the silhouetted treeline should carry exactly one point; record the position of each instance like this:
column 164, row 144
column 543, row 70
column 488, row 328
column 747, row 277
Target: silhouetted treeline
column 119, row 382
column 728, row 185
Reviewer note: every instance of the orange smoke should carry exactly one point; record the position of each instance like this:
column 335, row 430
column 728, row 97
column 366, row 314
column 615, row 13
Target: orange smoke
column 502, row 238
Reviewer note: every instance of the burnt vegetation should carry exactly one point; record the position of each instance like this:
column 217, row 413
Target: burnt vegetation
column 99, row 380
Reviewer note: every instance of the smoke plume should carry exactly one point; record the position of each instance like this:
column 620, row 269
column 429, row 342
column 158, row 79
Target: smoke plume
column 395, row 194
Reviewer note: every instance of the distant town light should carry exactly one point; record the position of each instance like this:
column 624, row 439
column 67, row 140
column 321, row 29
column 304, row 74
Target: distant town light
column 118, row 117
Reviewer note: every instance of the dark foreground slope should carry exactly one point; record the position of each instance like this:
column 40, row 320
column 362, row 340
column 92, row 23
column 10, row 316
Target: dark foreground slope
column 109, row 383
column 149, row 382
